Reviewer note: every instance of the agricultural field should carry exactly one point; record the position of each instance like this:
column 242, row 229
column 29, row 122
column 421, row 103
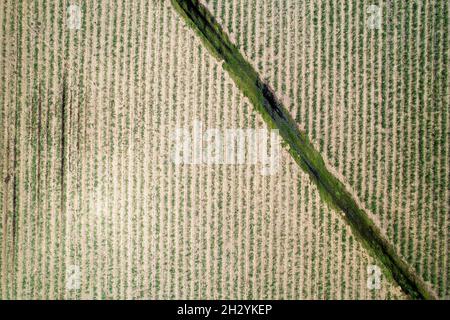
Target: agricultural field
column 94, row 207
column 373, row 101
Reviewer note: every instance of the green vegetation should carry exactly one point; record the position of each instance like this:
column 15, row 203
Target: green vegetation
column 301, row 149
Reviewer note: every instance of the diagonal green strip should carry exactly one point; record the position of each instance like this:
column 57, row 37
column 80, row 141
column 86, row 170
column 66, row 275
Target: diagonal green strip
column 331, row 189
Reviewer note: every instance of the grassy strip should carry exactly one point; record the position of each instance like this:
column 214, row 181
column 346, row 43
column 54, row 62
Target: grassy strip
column 301, row 149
